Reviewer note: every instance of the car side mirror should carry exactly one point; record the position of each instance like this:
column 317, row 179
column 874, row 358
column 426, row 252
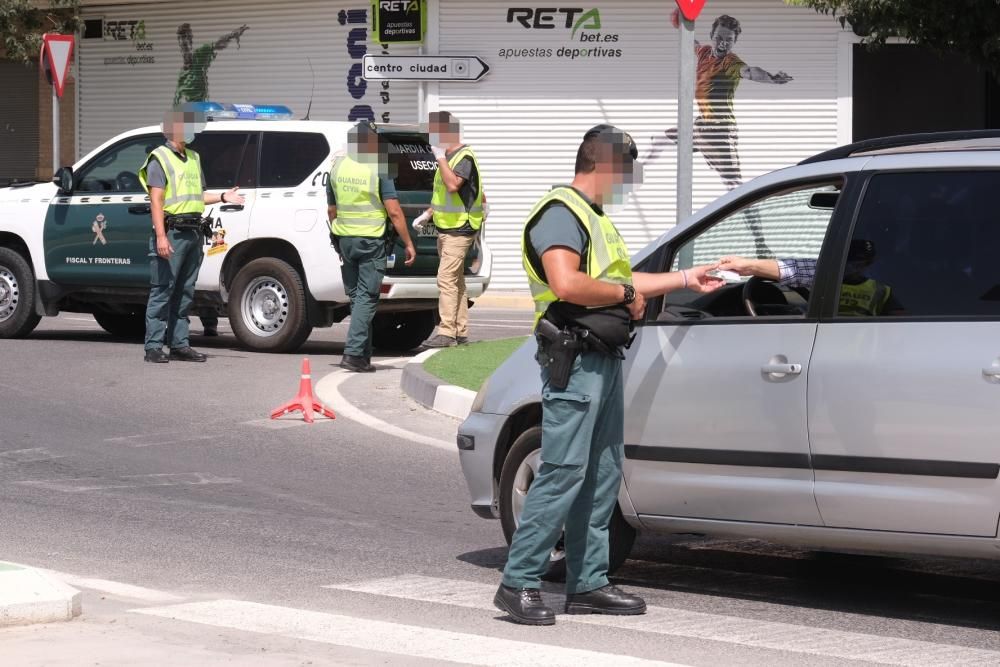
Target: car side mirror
column 824, row 200
column 64, row 179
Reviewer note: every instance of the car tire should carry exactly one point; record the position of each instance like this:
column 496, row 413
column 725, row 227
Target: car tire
column 131, row 325
column 17, row 296
column 514, row 482
column 267, row 306
column 402, row 332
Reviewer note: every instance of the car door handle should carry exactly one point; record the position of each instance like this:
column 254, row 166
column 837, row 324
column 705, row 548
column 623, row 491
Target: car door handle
column 782, row 369
column 232, row 207
column 139, row 210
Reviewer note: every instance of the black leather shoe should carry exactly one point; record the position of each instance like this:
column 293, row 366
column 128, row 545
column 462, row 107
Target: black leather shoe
column 608, row 600
column 356, row 364
column 187, row 354
column 156, row 357
column 211, row 331
column 524, row 605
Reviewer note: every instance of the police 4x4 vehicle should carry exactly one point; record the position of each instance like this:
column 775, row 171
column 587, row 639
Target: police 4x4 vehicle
column 80, row 244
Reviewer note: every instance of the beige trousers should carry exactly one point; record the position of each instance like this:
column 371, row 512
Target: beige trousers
column 453, row 304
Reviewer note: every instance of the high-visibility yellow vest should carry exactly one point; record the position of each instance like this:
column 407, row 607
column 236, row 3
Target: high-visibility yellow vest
column 360, row 211
column 449, row 209
column 183, row 193
column 866, row 299
column 607, row 257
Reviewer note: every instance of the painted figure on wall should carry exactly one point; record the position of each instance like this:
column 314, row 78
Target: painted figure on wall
column 719, row 73
column 192, row 84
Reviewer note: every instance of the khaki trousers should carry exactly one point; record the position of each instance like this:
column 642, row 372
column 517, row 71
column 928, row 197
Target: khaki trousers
column 453, row 303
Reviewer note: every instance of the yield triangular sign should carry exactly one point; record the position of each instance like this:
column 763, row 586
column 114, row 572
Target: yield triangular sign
column 691, row 8
column 58, row 51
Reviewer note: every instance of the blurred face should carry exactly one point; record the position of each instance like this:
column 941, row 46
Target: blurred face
column 723, row 41
column 618, row 175
column 443, row 134
column 181, row 127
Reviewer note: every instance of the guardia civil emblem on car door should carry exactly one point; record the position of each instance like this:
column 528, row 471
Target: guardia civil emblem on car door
column 98, row 227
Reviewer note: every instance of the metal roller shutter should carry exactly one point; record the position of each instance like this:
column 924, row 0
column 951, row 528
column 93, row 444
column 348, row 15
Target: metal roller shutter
column 18, row 122
column 525, row 119
column 130, row 71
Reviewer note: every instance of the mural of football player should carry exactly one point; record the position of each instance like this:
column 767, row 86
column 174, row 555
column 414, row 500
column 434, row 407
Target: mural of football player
column 192, row 84
column 719, row 73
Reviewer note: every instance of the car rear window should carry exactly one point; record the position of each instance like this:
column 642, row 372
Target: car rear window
column 289, row 158
column 411, row 162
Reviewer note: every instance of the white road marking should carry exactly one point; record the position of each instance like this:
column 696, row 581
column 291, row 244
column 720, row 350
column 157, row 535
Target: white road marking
column 383, row 637
column 33, row 455
column 77, row 485
column 526, row 328
column 156, row 441
column 117, row 588
column 713, row 627
column 329, row 391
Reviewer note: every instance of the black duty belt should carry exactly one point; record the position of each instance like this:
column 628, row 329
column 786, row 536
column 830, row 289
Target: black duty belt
column 183, row 221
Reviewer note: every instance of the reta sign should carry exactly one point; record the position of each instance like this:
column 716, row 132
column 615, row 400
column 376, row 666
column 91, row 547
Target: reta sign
column 399, row 5
column 545, row 18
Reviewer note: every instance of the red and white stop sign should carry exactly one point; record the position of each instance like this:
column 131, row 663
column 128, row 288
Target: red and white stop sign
column 691, row 8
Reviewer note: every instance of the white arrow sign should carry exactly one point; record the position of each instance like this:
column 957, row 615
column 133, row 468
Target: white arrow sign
column 424, row 68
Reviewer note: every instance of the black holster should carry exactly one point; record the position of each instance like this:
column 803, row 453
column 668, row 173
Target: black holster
column 557, row 351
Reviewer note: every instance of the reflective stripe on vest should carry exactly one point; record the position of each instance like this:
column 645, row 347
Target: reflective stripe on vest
column 450, row 211
column 360, row 211
column 867, row 299
column 607, row 255
column 183, row 193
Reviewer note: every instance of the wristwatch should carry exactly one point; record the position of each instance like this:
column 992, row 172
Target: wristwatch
column 629, row 295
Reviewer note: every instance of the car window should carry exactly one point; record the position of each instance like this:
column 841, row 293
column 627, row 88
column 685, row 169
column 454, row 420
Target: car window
column 289, row 158
column 117, row 168
column 221, row 155
column 248, row 170
column 924, row 245
column 411, row 162
column 786, row 229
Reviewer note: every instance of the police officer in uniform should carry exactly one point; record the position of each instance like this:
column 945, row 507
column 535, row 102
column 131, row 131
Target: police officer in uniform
column 586, row 297
column 173, row 178
column 360, row 197
column 458, row 214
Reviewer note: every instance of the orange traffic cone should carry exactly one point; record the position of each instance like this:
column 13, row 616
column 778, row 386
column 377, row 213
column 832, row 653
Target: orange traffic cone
column 305, row 402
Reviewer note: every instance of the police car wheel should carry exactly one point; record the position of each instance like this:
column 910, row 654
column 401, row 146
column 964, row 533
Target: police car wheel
column 267, row 306
column 403, row 331
column 519, row 470
column 17, row 296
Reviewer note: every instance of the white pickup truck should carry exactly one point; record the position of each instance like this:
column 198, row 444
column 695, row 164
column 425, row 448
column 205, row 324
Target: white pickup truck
column 80, row 244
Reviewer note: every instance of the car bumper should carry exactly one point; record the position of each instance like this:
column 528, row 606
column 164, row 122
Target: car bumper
column 426, row 288
column 477, row 439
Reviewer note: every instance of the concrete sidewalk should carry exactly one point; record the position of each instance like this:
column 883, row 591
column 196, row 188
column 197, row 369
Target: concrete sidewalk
column 29, row 596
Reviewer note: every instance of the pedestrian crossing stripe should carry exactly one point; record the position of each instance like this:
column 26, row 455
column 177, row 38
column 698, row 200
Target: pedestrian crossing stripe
column 770, row 635
column 384, row 637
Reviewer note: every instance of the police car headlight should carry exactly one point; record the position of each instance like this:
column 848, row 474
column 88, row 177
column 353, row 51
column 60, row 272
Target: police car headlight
column 480, row 401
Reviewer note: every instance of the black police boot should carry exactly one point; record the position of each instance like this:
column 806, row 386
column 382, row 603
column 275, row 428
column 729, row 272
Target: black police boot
column 524, row 605
column 608, row 600
column 187, row 354
column 356, row 364
column 156, row 357
column 211, row 331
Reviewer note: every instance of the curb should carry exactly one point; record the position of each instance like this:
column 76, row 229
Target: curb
column 29, row 596
column 433, row 392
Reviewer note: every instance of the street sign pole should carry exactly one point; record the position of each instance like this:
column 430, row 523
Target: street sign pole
column 685, row 121
column 57, row 51
column 55, row 131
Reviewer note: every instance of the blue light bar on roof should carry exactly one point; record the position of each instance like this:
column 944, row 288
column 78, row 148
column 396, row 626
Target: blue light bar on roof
column 241, row 111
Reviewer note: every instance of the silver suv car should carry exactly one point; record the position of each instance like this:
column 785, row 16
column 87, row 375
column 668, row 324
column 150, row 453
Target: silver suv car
column 782, row 410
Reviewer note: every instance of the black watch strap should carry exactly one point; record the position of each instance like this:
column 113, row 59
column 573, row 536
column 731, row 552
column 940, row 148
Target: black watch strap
column 629, row 295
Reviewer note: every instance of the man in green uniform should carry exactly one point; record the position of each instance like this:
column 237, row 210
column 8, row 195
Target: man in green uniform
column 360, row 197
column 173, row 178
column 458, row 214
column 586, row 297
column 192, row 83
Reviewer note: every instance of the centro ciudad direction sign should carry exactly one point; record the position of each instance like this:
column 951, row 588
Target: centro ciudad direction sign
column 423, row 68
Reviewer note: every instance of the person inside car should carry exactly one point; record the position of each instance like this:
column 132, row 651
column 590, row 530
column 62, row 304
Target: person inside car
column 860, row 295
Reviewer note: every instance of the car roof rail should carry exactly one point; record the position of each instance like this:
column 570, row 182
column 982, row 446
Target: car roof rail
column 899, row 141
